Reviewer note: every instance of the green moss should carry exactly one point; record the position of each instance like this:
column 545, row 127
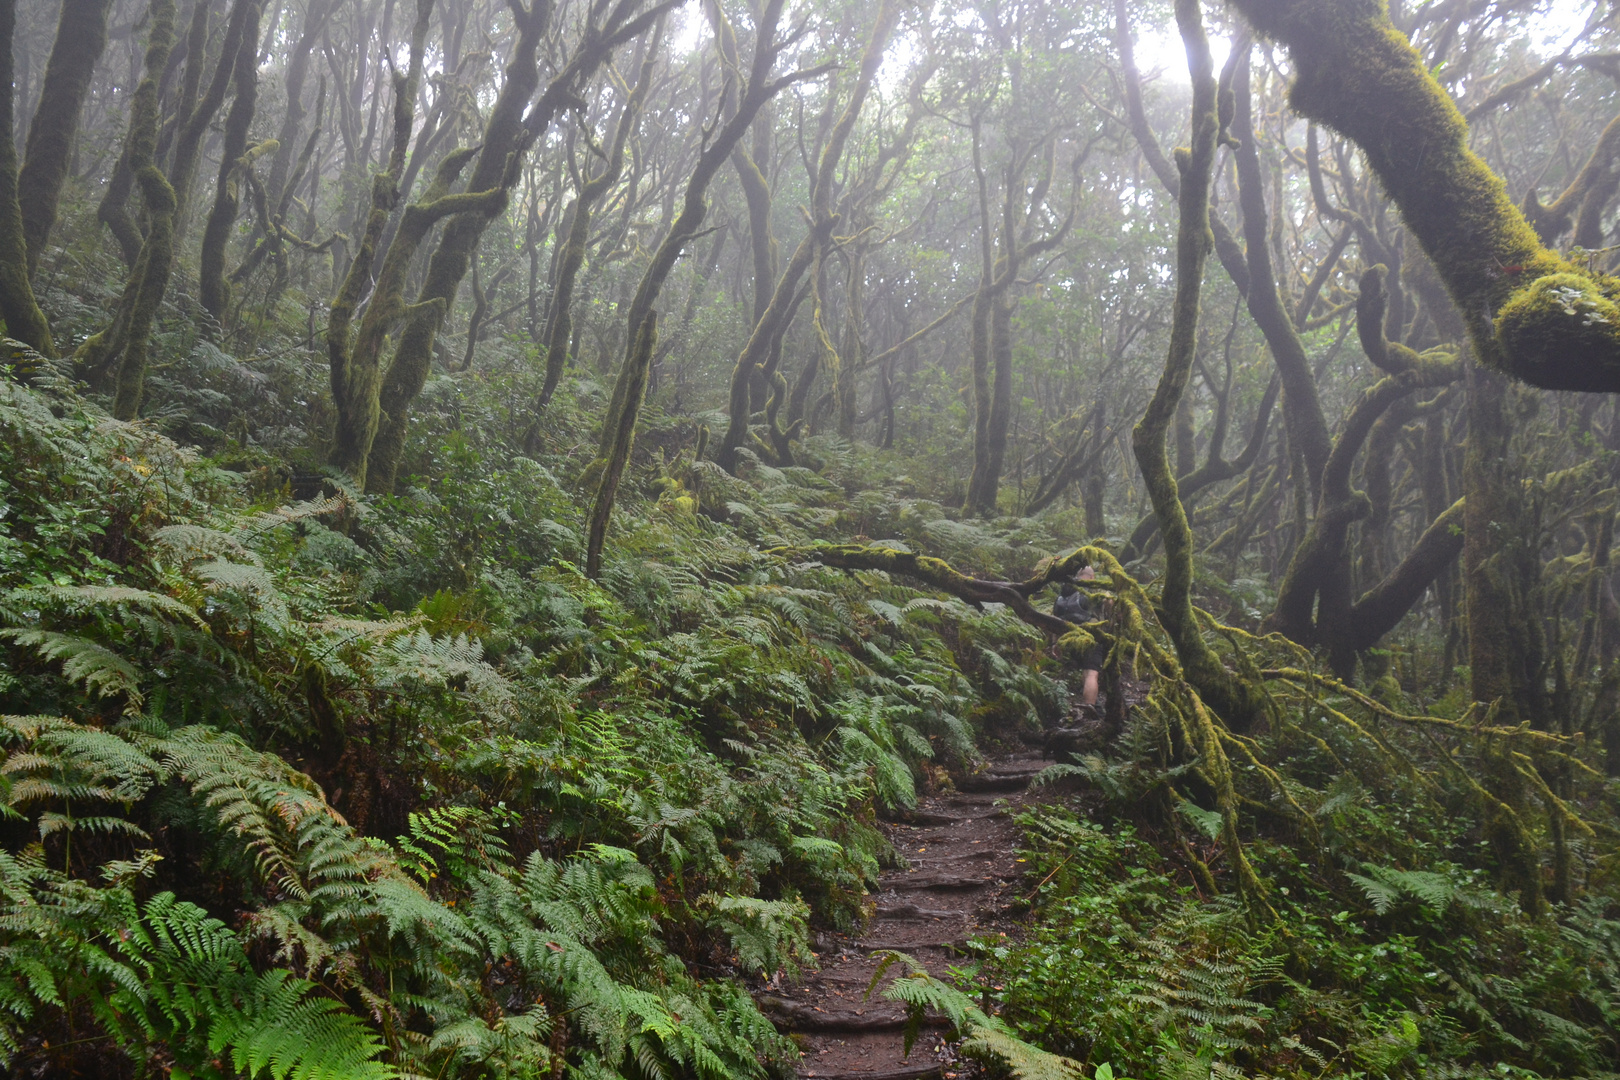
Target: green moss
column 1562, row 331
column 1360, row 76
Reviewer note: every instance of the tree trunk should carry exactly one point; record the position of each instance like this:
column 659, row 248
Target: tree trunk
column 561, row 325
column 24, row 320
column 234, row 162
column 508, row 133
column 618, row 427
column 81, row 37
column 354, row 382
column 810, row 253
column 1238, row 704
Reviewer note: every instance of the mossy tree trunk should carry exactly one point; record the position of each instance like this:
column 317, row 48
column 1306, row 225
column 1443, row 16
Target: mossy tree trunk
column 282, row 178
column 1314, row 603
column 235, row 160
column 122, row 344
column 991, row 338
column 509, row 131
column 362, row 416
column 1302, row 407
column 747, row 163
column 159, row 195
column 355, row 380
column 809, row 256
column 624, row 409
column 1530, row 312
column 81, row 37
column 560, row 324
column 24, row 320
column 1239, row 704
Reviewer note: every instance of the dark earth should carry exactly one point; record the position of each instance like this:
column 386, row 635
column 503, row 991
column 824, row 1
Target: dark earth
column 963, row 878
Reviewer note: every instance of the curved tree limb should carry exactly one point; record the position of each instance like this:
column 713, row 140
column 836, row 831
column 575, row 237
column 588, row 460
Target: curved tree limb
column 1530, row 312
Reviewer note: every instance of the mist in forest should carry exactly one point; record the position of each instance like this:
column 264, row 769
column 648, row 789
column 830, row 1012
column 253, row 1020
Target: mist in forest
column 749, row 538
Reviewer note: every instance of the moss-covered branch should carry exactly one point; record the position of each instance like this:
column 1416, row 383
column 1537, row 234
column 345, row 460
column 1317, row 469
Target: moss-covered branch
column 1530, row 312
column 939, row 574
column 1384, row 605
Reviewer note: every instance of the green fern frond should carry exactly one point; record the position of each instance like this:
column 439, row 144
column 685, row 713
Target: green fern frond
column 83, row 600
column 186, row 544
column 101, row 671
column 201, row 997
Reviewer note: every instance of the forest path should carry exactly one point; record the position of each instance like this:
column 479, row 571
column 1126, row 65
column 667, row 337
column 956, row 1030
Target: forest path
column 962, row 879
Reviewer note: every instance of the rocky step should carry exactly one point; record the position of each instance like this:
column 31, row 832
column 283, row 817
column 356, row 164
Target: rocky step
column 931, row 819
column 995, row 781
column 943, row 882
column 912, row 911
column 906, row 1072
column 807, row 1019
column 952, row 943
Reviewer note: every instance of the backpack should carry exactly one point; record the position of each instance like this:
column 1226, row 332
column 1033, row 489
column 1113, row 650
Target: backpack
column 1075, row 608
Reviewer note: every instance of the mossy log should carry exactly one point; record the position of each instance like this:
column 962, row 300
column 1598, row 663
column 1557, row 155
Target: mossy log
column 939, row 574
column 1530, row 312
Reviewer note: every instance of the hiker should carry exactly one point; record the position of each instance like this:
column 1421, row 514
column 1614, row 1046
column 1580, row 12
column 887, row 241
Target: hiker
column 1074, row 606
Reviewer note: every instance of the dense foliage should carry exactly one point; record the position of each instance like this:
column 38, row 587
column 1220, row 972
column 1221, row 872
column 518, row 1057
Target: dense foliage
column 500, row 502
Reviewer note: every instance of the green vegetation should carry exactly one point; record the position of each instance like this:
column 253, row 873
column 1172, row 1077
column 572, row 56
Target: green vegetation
column 398, row 686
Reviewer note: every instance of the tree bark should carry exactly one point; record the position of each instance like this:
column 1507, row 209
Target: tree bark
column 24, row 320
column 1239, row 704
column 1530, row 312
column 81, row 37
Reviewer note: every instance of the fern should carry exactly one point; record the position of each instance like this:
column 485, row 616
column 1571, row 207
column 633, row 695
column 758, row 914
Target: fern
column 199, row 997
column 464, row 838
column 1385, row 887
column 984, row 1037
column 101, row 671
column 766, row 935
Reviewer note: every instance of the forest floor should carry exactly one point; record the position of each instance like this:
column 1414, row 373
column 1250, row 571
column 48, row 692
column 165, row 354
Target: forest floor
column 962, row 879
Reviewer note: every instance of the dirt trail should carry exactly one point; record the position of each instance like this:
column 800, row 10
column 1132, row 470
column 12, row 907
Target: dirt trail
column 961, row 881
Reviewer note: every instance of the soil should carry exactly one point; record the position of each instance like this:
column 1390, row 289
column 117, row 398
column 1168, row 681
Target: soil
column 962, row 878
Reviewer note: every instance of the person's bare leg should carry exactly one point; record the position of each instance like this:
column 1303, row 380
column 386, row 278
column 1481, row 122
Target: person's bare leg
column 1088, row 696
